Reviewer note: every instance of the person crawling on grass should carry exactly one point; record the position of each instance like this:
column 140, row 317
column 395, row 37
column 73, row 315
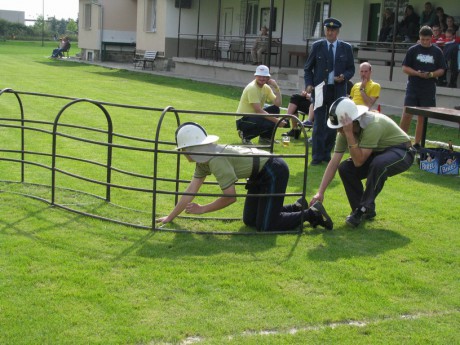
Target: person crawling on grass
column 378, row 149
column 228, row 164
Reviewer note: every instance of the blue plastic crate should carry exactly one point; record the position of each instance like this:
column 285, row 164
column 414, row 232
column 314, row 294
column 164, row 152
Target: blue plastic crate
column 439, row 161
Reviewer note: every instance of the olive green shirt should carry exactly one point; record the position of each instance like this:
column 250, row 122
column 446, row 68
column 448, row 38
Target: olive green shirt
column 378, row 132
column 229, row 169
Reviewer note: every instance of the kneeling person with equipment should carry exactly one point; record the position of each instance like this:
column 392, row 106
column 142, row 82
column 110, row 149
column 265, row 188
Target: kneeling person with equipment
column 378, row 149
column 267, row 175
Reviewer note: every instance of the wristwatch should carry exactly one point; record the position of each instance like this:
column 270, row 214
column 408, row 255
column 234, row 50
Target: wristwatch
column 430, row 75
column 361, row 89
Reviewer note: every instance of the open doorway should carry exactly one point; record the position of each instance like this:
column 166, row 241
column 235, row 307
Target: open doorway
column 374, row 22
column 227, row 22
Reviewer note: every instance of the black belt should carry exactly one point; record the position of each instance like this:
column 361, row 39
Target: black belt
column 255, row 167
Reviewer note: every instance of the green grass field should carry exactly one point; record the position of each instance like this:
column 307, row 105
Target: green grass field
column 70, row 279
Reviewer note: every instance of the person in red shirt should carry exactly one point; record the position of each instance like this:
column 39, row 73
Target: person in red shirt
column 449, row 38
column 437, row 34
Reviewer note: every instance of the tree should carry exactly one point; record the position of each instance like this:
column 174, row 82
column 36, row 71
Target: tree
column 72, row 26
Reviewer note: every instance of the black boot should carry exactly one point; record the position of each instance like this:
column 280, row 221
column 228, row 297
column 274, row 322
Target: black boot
column 295, row 132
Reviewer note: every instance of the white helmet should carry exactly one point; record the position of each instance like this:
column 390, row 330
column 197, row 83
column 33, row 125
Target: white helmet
column 192, row 134
column 341, row 107
column 262, row 71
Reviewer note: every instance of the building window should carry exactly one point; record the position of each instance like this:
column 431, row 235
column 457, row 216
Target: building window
column 265, row 18
column 88, row 16
column 315, row 14
column 250, row 15
column 151, row 15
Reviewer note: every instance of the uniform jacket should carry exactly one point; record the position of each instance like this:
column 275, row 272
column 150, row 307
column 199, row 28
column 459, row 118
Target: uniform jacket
column 316, row 65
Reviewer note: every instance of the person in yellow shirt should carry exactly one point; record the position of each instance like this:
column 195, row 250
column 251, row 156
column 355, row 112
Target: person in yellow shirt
column 263, row 89
column 367, row 91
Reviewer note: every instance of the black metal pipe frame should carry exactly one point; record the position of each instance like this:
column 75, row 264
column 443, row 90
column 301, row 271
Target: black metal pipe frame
column 217, row 38
column 395, row 26
column 27, row 125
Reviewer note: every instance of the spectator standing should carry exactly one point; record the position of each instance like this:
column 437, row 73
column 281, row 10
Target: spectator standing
column 451, row 54
column 450, row 25
column 388, row 22
column 265, row 174
column 260, row 46
column 449, row 47
column 441, row 19
column 261, row 90
column 366, row 92
column 423, row 63
column 378, row 149
column 330, row 62
column 428, row 16
column 409, row 26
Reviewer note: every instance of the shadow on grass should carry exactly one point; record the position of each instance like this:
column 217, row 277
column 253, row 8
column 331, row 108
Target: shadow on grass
column 204, row 245
column 163, row 81
column 60, row 63
column 346, row 243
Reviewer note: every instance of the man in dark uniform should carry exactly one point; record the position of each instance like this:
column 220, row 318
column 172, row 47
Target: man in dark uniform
column 330, row 61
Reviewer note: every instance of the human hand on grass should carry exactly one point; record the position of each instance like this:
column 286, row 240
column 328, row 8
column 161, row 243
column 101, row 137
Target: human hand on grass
column 194, row 208
column 163, row 220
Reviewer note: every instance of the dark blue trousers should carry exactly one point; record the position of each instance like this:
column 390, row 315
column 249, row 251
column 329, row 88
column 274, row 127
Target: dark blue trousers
column 258, row 126
column 267, row 213
column 323, row 137
column 379, row 166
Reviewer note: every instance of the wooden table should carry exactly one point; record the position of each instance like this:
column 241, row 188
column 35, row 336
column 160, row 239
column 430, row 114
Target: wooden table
column 445, row 114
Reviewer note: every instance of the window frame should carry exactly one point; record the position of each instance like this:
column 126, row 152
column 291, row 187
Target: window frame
column 316, row 11
column 88, row 16
column 150, row 15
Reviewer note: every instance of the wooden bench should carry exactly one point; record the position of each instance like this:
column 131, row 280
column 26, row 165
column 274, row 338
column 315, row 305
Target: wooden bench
column 275, row 49
column 246, row 46
column 297, row 55
column 143, row 60
column 220, row 49
column 205, row 48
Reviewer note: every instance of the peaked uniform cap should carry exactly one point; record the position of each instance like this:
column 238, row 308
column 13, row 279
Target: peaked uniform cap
column 332, row 23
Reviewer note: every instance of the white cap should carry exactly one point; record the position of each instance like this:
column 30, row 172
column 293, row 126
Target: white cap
column 262, row 71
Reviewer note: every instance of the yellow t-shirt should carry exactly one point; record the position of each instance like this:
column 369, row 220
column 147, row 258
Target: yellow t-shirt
column 372, row 89
column 252, row 93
